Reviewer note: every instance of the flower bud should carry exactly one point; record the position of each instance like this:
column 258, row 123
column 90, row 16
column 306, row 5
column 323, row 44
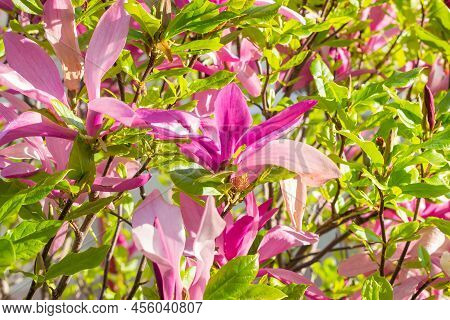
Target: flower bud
column 429, row 110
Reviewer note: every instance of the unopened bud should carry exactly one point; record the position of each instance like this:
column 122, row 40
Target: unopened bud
column 429, row 110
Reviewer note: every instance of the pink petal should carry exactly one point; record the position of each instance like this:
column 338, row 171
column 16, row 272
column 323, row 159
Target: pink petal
column 112, row 184
column 282, row 238
column 60, row 150
column 59, row 239
column 294, row 194
column 407, row 288
column 314, row 167
column 211, row 226
column 431, row 239
column 191, row 212
column 249, row 79
column 33, row 124
column 117, row 110
column 206, row 100
column 34, row 64
column 359, row 263
column 15, row 102
column 158, row 232
column 59, row 22
column 13, row 80
column 107, row 42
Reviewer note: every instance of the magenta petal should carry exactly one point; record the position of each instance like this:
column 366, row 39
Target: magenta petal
column 19, row 170
column 60, row 151
column 33, row 124
column 234, row 237
column 113, row 184
column 249, row 80
column 282, row 238
column 284, row 11
column 179, row 122
column 233, row 118
column 117, row 110
column 34, row 64
column 276, row 126
column 13, row 80
column 288, row 277
column 107, row 42
column 408, row 287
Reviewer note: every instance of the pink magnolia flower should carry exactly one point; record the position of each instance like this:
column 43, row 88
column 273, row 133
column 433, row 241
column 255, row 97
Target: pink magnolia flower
column 158, row 231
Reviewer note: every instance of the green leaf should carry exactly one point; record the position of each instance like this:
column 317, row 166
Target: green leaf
column 294, row 291
column 368, row 147
column 44, row 187
column 404, row 231
column 148, row 22
column 233, row 279
column 365, row 234
column 89, row 208
column 126, row 63
column 424, row 258
column 376, row 288
column 189, row 181
column 294, row 61
column 67, row 115
column 239, row 5
column 81, row 160
column 7, row 253
column 29, row 237
column 321, row 75
column 262, row 13
column 262, row 292
column 11, row 206
column 29, row 6
column 199, row 46
column 216, row 81
column 431, row 40
column 76, row 262
column 200, row 16
column 402, row 79
column 425, row 190
column 441, row 224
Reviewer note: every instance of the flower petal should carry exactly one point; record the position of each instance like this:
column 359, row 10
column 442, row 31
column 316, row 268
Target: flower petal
column 59, row 19
column 33, row 124
column 113, row 184
column 117, row 110
column 294, row 194
column 232, row 118
column 107, row 42
column 313, row 166
column 359, row 263
column 274, row 128
column 282, row 238
column 34, row 64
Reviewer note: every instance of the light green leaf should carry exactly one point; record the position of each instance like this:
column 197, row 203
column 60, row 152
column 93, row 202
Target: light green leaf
column 294, row 291
column 368, row 147
column 148, row 22
column 11, row 206
column 29, row 237
column 76, row 262
column 29, row 6
column 233, row 279
column 425, row 190
column 262, row 292
column 441, row 224
column 89, row 208
column 402, row 79
column 199, row 46
column 216, row 81
column 432, row 40
column 365, row 234
column 404, row 231
column 7, row 253
column 67, row 115
column 424, row 258
column 44, row 187
column 376, row 288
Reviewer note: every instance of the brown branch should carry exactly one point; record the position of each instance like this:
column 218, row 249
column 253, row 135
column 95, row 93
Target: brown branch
column 137, row 280
column 383, row 232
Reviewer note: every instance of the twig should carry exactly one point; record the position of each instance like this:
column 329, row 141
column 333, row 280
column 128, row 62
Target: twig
column 405, row 249
column 424, row 286
column 137, row 280
column 383, row 232
column 110, row 254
